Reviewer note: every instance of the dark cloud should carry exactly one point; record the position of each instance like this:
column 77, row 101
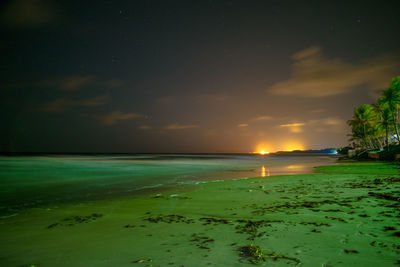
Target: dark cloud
column 177, row 126
column 67, row 83
column 145, row 127
column 65, row 103
column 75, row 82
column 116, row 116
column 114, row 83
column 28, row 14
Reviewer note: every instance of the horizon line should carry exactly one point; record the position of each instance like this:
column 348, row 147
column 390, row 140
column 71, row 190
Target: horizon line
column 204, row 153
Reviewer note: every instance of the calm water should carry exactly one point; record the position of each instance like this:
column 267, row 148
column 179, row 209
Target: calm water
column 27, row 182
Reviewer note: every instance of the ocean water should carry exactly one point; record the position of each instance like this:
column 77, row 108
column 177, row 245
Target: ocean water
column 37, row 181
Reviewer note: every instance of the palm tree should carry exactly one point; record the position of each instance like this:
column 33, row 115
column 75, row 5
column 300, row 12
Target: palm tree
column 391, row 96
column 384, row 117
column 362, row 124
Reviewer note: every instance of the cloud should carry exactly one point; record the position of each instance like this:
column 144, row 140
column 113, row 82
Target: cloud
column 262, row 118
column 115, row 116
column 95, row 101
column 145, row 127
column 259, row 118
column 68, row 83
column 114, row 83
column 313, row 75
column 331, row 124
column 166, row 100
column 294, row 127
column 65, row 103
column 321, row 110
column 75, row 82
column 293, row 124
column 59, row 105
column 28, row 14
column 180, row 126
column 215, row 98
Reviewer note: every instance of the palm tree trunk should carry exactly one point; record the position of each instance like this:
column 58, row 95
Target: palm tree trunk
column 397, row 123
column 387, row 136
column 371, row 143
column 365, row 135
column 396, row 126
column 379, row 142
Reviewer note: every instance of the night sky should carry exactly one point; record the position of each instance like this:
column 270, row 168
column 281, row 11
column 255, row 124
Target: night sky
column 190, row 76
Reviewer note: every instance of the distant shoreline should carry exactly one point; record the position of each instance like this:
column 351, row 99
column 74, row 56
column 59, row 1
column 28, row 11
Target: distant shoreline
column 278, row 153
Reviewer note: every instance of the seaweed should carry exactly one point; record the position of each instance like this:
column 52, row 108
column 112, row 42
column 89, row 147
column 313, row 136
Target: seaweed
column 336, row 219
column 257, row 256
column 396, row 234
column 148, row 262
column 351, row 251
column 201, row 240
column 251, row 227
column 387, row 196
column 332, row 210
column 172, row 218
column 389, row 228
column 215, row 221
column 254, row 253
column 312, row 205
column 315, row 224
column 52, row 225
column 73, row 220
column 173, row 196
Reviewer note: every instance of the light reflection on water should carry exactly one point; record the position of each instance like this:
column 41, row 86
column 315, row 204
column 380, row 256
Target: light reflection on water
column 296, row 167
column 264, row 171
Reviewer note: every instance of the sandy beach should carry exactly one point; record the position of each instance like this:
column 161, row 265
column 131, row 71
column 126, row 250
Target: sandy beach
column 340, row 215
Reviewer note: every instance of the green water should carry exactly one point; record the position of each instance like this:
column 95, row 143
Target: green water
column 27, row 182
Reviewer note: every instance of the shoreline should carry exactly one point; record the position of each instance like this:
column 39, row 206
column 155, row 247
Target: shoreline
column 76, row 187
column 343, row 216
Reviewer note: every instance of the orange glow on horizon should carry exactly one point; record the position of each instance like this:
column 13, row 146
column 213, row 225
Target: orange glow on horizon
column 288, row 146
column 294, row 145
column 262, row 149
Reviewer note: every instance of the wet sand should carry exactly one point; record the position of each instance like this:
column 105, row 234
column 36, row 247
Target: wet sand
column 342, row 215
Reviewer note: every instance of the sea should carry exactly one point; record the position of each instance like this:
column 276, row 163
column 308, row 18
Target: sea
column 43, row 180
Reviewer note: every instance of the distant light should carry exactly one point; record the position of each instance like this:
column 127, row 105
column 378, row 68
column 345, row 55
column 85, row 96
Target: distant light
column 262, row 152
